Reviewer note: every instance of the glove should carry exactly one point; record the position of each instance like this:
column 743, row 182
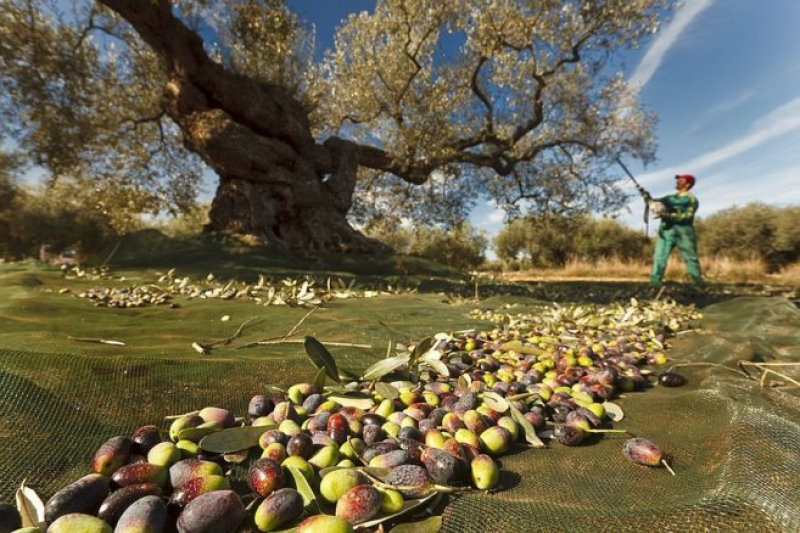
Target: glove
column 657, row 209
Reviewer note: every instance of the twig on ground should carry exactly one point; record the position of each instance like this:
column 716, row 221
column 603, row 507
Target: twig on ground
column 766, row 371
column 98, row 341
column 660, row 292
column 110, row 255
column 204, row 348
column 294, row 329
column 300, row 341
column 292, row 332
column 233, row 337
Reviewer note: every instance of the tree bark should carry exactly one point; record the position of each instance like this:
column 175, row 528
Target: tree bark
column 276, row 183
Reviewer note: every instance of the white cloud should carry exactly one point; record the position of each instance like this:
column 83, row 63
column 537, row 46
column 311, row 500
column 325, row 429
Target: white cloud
column 495, row 217
column 781, row 121
column 665, row 40
column 726, row 190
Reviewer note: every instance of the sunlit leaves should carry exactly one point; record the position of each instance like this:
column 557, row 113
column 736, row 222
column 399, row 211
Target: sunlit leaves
column 508, row 87
column 264, row 40
column 81, row 98
column 496, row 97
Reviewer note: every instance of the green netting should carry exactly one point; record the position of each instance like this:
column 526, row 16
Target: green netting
column 734, row 446
column 61, row 399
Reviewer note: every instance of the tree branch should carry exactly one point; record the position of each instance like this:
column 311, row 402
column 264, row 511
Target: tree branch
column 481, row 96
column 266, row 109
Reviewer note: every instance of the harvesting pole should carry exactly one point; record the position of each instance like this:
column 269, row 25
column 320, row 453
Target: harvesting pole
column 645, row 195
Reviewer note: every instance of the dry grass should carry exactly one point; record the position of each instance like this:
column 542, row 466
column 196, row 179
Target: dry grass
column 715, row 269
column 789, row 275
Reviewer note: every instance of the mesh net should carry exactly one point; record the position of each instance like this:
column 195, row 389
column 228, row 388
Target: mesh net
column 734, row 445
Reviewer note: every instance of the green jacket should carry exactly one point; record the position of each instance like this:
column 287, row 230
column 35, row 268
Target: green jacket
column 680, row 209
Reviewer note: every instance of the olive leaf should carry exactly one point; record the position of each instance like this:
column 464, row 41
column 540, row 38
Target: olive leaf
column 437, row 366
column 30, row 506
column 386, row 391
column 408, row 505
column 613, row 411
column 302, row 486
column 337, row 389
column 495, row 402
column 197, row 433
column 200, row 348
column 353, row 399
column 419, row 350
column 518, row 347
column 384, row 366
column 321, row 357
column 99, row 341
column 175, row 417
column 464, row 382
column 234, row 439
column 433, row 359
column 389, row 350
column 430, row 525
column 270, row 392
column 530, row 433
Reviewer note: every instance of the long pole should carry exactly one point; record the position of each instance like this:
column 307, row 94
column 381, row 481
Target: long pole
column 633, row 179
column 645, row 196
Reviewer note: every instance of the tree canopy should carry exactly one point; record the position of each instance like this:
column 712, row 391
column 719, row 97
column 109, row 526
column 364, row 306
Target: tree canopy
column 420, row 108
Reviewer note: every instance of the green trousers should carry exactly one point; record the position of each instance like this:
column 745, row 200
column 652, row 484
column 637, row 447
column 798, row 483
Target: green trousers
column 680, row 236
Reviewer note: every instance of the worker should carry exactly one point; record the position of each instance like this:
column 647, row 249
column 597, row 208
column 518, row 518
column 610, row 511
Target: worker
column 677, row 230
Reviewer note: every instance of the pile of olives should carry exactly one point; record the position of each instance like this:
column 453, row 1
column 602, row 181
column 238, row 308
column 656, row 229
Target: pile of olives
column 333, row 458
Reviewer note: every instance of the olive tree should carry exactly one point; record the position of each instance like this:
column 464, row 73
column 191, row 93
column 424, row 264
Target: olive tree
column 421, row 106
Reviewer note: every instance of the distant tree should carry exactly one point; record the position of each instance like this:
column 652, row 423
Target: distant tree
column 186, row 224
column 55, row 217
column 8, row 187
column 787, row 235
column 550, row 241
column 540, row 241
column 605, row 238
column 422, row 106
column 461, row 246
column 8, row 192
column 754, row 231
column 511, row 242
column 390, row 231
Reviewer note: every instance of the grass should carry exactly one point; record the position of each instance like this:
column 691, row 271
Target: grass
column 719, row 269
column 229, row 258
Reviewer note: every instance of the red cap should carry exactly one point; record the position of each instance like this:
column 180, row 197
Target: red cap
column 687, row 177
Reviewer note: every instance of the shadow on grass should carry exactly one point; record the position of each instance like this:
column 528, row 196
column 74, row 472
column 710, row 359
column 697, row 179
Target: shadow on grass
column 228, row 258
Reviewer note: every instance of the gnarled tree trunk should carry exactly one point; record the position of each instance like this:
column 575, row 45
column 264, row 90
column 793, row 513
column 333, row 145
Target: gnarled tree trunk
column 276, row 183
column 301, row 209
